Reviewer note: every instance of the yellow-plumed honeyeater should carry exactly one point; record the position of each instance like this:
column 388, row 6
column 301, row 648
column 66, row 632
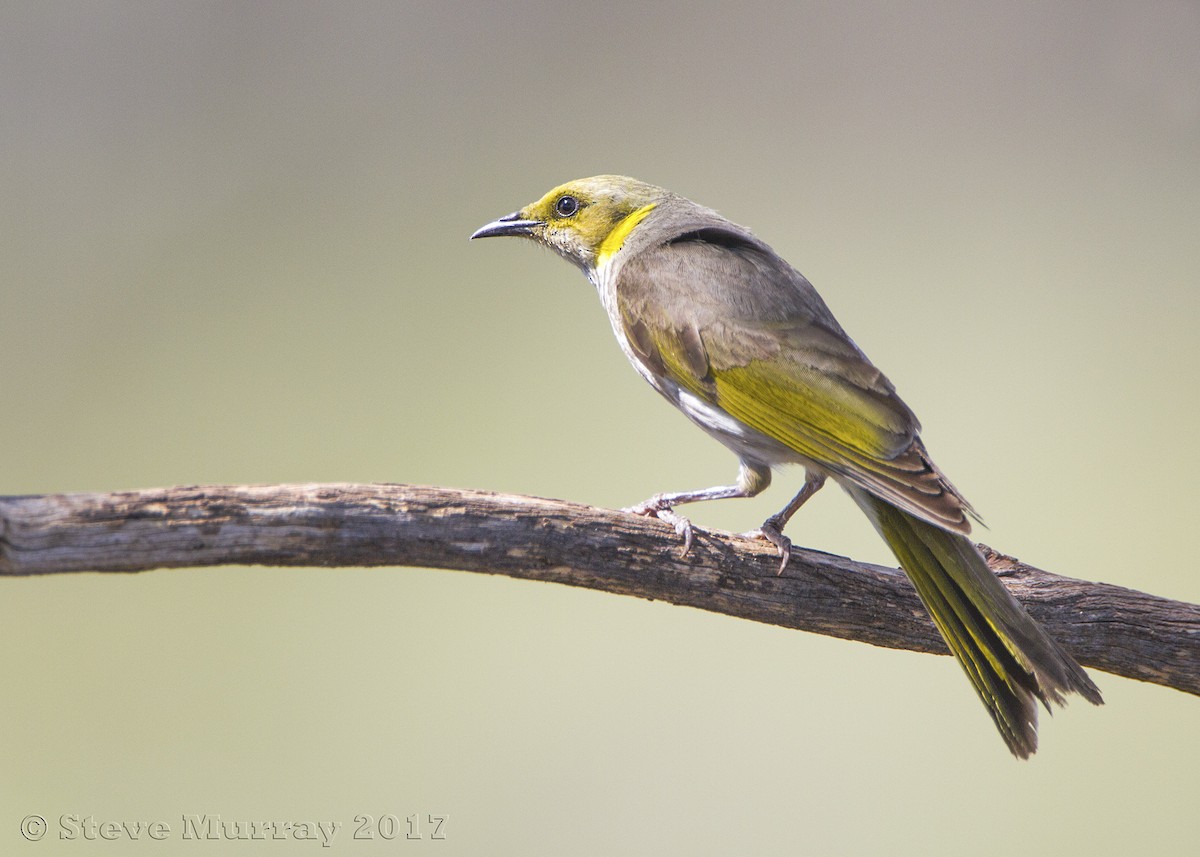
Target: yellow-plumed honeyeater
column 741, row 342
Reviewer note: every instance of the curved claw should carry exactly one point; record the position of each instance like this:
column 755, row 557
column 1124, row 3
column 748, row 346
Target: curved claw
column 772, row 532
column 682, row 525
column 656, row 508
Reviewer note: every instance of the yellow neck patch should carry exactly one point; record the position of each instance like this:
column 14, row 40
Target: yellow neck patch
column 616, row 239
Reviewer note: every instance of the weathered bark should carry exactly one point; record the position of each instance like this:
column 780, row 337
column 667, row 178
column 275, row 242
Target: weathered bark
column 1111, row 628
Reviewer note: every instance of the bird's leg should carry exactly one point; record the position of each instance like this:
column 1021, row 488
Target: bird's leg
column 752, row 479
column 772, row 528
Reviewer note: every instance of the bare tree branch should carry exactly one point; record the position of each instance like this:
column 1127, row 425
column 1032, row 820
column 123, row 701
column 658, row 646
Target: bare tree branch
column 1110, row 628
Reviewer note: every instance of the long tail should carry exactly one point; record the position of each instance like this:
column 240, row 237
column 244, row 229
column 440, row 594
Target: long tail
column 1009, row 658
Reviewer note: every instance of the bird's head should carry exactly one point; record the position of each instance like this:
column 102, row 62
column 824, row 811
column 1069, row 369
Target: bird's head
column 585, row 221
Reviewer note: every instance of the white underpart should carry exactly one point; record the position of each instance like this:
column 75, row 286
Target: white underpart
column 711, row 417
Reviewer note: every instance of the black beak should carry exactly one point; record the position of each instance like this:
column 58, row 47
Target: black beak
column 509, row 224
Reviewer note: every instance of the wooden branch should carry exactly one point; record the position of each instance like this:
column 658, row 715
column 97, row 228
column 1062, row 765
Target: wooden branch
column 1110, row 628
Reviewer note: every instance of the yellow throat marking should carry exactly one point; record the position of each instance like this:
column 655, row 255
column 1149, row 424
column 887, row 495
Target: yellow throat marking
column 615, row 240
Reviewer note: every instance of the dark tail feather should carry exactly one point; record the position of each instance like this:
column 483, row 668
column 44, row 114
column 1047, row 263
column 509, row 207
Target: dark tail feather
column 1009, row 658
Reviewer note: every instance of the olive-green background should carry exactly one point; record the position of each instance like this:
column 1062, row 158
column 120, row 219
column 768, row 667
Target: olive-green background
column 233, row 249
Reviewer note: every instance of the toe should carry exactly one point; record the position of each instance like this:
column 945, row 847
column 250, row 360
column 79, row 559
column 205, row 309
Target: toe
column 683, row 527
column 771, row 532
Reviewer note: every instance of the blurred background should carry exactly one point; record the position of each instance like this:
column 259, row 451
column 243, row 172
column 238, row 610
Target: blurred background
column 233, row 248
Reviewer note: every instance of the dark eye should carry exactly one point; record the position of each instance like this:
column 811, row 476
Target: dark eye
column 566, row 206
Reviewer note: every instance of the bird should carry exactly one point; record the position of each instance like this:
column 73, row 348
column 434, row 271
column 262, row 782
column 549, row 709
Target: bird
column 740, row 342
